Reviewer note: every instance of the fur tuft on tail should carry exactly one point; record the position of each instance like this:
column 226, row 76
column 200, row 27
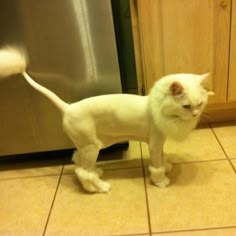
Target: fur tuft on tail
column 12, row 61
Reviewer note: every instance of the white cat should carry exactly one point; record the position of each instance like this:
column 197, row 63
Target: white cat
column 172, row 109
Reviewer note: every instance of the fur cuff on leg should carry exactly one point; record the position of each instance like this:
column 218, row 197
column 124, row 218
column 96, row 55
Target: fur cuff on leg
column 156, row 172
column 158, row 176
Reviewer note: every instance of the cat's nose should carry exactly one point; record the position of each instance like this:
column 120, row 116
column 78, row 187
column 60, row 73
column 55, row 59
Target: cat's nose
column 195, row 112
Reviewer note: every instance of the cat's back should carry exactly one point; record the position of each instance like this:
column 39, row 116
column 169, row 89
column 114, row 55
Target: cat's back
column 120, row 107
column 111, row 102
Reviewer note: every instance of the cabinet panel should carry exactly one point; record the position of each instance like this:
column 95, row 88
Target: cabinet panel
column 186, row 36
column 232, row 68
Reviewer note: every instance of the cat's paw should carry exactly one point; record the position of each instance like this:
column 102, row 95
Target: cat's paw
column 99, row 187
column 104, row 187
column 90, row 180
column 162, row 183
column 158, row 176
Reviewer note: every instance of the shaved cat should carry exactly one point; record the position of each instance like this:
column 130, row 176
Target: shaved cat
column 172, row 109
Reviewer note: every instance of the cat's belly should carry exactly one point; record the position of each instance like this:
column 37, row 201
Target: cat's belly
column 110, row 134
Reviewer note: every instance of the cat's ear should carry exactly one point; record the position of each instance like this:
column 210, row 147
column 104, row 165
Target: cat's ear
column 205, row 80
column 176, row 89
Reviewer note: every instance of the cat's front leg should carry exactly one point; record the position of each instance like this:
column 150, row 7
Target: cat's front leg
column 158, row 167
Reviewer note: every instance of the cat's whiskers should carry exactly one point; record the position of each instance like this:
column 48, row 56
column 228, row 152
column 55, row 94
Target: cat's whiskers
column 176, row 118
column 205, row 116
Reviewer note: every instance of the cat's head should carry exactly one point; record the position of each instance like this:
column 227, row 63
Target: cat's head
column 186, row 96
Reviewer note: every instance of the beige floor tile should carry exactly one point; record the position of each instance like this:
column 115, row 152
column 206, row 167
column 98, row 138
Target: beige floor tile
column 25, row 204
column 208, row 232
column 118, row 159
column 226, row 133
column 201, row 195
column 201, row 145
column 121, row 211
column 32, row 169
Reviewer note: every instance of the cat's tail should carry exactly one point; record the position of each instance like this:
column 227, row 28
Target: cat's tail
column 60, row 104
column 14, row 61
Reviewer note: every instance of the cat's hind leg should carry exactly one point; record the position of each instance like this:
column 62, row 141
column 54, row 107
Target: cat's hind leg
column 77, row 160
column 86, row 170
column 81, row 129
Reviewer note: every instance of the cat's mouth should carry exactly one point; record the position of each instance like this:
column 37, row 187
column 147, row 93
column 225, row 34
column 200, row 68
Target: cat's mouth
column 178, row 117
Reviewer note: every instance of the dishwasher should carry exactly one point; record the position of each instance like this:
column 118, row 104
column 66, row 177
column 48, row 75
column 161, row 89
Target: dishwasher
column 72, row 50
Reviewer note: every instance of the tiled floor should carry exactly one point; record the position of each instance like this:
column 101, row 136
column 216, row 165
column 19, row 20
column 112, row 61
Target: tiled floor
column 201, row 200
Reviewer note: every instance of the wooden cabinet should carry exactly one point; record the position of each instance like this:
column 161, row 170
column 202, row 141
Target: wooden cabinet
column 188, row 36
column 232, row 64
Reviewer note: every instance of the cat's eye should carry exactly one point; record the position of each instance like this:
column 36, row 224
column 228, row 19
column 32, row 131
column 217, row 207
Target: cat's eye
column 200, row 104
column 187, row 106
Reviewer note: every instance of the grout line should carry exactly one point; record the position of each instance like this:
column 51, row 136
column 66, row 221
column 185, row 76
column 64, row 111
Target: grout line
column 146, row 165
column 53, row 201
column 28, row 177
column 193, row 162
column 195, row 230
column 198, row 162
column 110, row 169
column 234, row 169
column 146, row 193
column 132, row 234
column 121, row 168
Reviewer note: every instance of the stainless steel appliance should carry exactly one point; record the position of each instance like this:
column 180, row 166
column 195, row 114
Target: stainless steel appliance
column 72, row 51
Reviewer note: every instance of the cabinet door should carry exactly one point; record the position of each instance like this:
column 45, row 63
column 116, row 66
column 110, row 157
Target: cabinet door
column 232, row 68
column 186, row 36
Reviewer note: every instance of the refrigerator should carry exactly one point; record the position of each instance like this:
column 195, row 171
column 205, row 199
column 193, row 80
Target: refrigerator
column 72, row 51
